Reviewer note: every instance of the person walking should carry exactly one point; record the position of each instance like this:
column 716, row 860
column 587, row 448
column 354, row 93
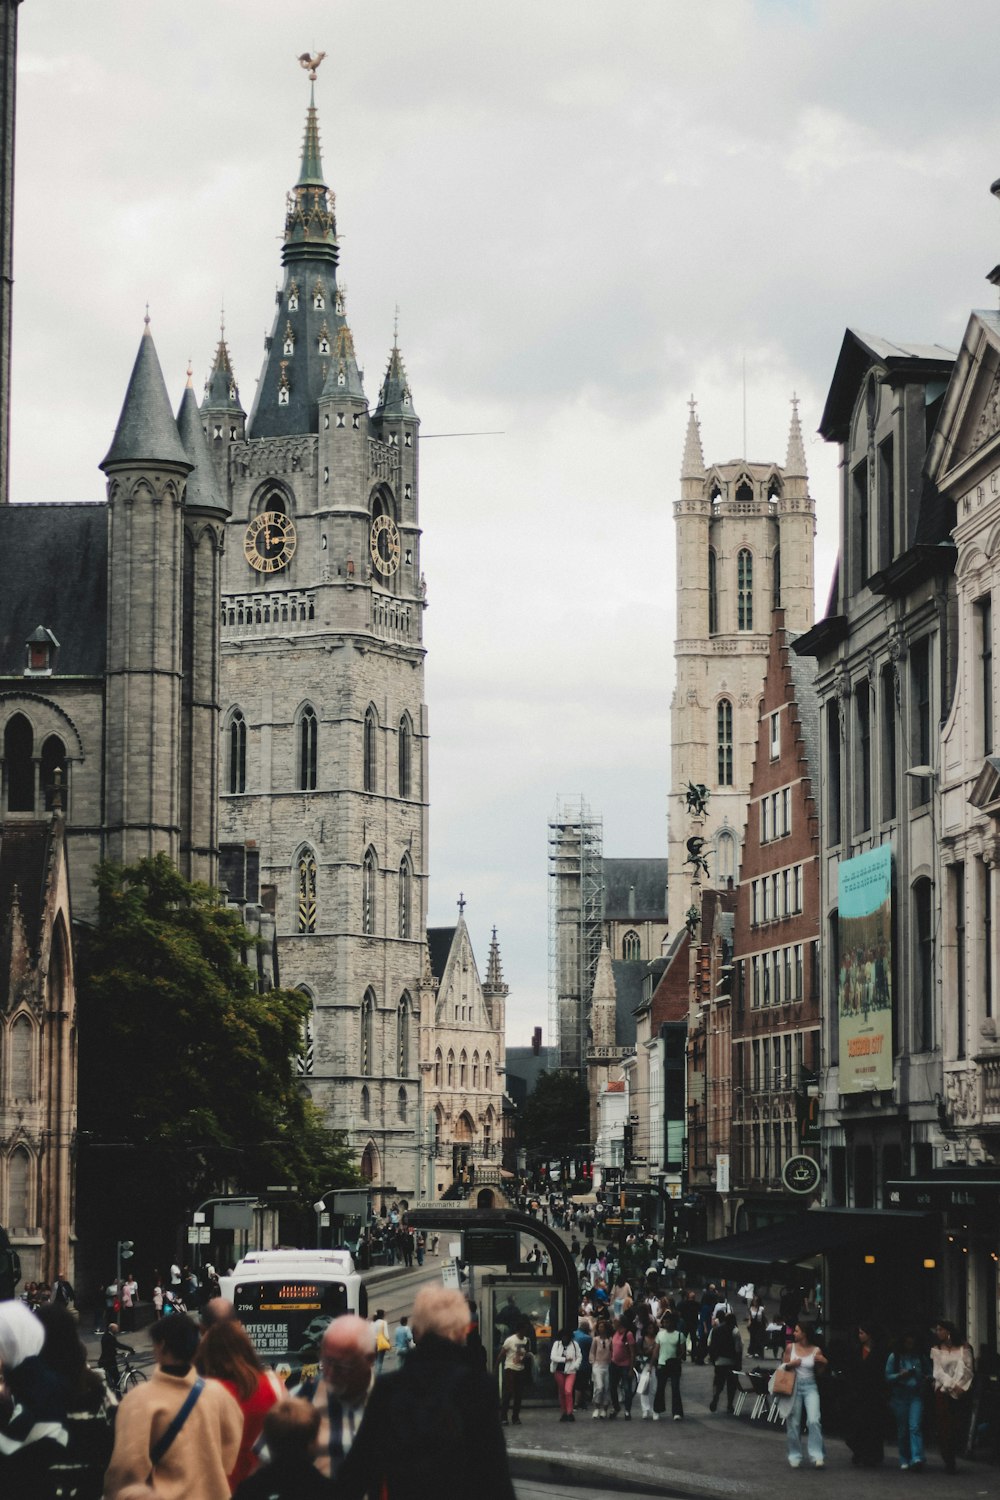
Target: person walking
column 515, row 1352
column 177, row 1432
column 564, row 1362
column 600, row 1369
column 341, row 1391
column 34, row 1437
column 864, row 1370
column 806, row 1358
column 227, row 1355
column 402, row 1341
column 290, row 1430
column 622, row 1369
column 382, row 1341
column 953, row 1369
column 431, row 1428
column 757, row 1327
column 725, row 1350
column 78, row 1472
column 646, row 1357
column 907, row 1372
column 671, row 1346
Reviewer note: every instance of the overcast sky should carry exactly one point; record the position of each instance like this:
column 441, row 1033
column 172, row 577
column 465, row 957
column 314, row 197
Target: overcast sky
column 585, row 213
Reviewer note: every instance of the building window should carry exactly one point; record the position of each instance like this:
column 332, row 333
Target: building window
column 366, row 1108
column 984, row 626
column 475, row 1070
column 776, row 580
column 886, row 503
column 463, row 1069
column 403, row 1037
column 305, row 1060
column 488, row 1072
column 405, row 897
column 713, row 592
column 726, row 856
column 920, row 717
column 833, row 772
column 986, row 892
column 19, row 1209
column 754, row 902
column 724, row 729
column 308, row 731
column 744, row 589
column 19, row 767
column 957, row 875
column 859, row 487
column 405, row 752
column 863, row 758
column 630, row 946
column 370, row 749
column 368, row 872
column 22, row 1060
column 53, row 773
column 450, row 1073
column 237, row 752
column 888, row 757
column 368, row 1034
column 401, row 1106
column 307, row 891
column 774, row 735
column 923, row 964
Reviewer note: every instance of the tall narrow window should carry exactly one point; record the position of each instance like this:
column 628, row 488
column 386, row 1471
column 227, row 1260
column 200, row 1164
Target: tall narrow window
column 475, row 1070
column 368, row 872
column 744, row 589
column 859, row 486
column 776, row 579
column 53, row 772
column 405, row 914
column 237, row 781
column 984, row 621
column 463, row 1069
column 307, row 891
column 367, row 1058
column 724, row 732
column 862, row 758
column 713, row 593
column 886, row 503
column 958, row 917
column 488, row 1072
column 19, row 767
column 437, row 1068
column 920, row 716
column 887, row 759
column 22, row 1060
column 305, row 1060
column 450, row 1070
column 403, row 1037
column 366, row 1112
column 19, row 1210
column 369, row 750
column 630, row 946
column 833, row 772
column 401, row 1106
column 307, row 749
column 405, row 752
column 923, row 956
column 986, row 882
column 833, row 949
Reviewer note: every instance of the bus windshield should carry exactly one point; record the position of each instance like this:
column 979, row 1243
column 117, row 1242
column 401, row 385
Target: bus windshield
column 286, row 1319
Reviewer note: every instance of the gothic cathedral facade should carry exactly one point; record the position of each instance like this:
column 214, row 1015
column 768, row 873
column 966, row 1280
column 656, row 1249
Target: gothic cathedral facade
column 745, row 537
column 323, row 779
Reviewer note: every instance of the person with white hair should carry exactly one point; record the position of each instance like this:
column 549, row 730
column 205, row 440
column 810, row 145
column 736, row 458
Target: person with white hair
column 431, row 1428
column 34, row 1433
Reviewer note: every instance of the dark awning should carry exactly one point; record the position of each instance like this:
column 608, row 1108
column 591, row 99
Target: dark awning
column 816, row 1232
column 973, row 1189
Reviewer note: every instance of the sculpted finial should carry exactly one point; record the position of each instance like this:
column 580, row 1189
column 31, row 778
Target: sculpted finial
column 311, row 61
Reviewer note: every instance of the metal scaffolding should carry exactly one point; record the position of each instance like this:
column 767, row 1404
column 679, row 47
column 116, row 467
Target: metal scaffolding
column 576, row 914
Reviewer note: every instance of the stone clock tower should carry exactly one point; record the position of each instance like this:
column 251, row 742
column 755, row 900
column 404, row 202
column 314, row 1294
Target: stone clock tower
column 324, row 728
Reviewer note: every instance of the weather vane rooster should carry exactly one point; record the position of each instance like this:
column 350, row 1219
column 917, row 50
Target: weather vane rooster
column 311, row 61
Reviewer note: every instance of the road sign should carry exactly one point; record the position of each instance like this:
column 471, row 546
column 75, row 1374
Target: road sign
column 449, row 1274
column 801, row 1174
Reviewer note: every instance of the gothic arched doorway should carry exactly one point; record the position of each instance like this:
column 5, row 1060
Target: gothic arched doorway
column 485, row 1198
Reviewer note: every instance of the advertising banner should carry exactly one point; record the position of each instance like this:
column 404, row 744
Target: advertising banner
column 864, row 985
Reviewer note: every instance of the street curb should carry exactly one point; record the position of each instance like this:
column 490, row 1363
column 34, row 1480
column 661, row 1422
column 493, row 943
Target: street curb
column 549, row 1467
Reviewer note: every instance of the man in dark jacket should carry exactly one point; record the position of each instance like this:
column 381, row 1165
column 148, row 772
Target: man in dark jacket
column 431, row 1428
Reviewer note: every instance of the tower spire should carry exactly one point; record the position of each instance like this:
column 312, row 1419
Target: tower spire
column 221, row 391
column 494, row 968
column 310, row 225
column 693, row 465
column 795, row 463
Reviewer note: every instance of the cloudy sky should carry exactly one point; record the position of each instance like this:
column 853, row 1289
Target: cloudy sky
column 585, row 213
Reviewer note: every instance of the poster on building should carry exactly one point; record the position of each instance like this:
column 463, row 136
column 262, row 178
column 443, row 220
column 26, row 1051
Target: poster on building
column 864, row 986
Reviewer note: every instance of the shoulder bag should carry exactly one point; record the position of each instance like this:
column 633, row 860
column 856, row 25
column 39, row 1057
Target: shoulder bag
column 782, row 1382
column 159, row 1449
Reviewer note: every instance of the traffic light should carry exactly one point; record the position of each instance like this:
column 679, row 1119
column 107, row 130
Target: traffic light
column 627, row 1145
column 126, row 1249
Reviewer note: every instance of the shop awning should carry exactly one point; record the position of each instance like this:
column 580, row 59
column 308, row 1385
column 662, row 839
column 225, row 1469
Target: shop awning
column 946, row 1190
column 781, row 1246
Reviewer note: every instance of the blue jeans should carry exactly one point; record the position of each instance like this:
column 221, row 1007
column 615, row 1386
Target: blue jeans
column 805, row 1396
column 908, row 1409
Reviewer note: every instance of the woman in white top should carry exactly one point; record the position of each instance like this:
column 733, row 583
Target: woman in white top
column 806, row 1359
column 565, row 1359
column 953, row 1366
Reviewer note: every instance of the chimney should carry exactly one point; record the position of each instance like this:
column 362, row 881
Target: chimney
column 536, row 1040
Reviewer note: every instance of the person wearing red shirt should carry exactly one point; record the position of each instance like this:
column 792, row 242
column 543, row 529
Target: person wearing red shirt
column 622, row 1367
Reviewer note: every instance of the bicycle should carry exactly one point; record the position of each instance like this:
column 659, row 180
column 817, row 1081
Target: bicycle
column 129, row 1376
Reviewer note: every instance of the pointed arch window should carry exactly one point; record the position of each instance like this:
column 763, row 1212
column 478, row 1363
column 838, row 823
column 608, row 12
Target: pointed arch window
column 405, row 753
column 488, row 1072
column 437, row 1068
column 237, row 752
column 463, row 1069
column 53, row 770
column 777, row 578
column 488, row 1134
column 724, row 736
column 307, row 891
column 19, row 1209
column 371, row 724
column 744, row 589
column 450, row 1072
column 367, row 1058
column 366, row 1110
column 401, row 1106
column 631, row 947
column 713, row 592
column 405, row 897
column 475, row 1070
column 19, row 767
column 368, row 872
column 308, row 738
column 22, row 1060
column 305, row 1059
column 403, row 1037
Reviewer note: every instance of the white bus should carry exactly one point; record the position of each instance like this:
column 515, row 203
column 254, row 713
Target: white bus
column 286, row 1298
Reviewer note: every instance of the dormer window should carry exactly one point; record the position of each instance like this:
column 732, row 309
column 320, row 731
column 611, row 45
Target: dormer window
column 283, row 387
column 293, row 298
column 41, row 647
column 341, row 377
column 408, row 440
column 324, row 340
column 356, row 421
column 217, row 432
column 339, row 303
column 319, row 298
column 288, row 347
column 340, row 419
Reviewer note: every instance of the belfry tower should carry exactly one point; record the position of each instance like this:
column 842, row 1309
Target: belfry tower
column 745, row 539
column 324, row 731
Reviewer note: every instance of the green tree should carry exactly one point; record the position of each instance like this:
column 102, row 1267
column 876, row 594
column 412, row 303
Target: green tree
column 187, row 1078
column 556, row 1118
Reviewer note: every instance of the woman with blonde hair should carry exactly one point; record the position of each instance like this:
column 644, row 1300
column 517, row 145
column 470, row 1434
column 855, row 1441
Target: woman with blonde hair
column 227, row 1355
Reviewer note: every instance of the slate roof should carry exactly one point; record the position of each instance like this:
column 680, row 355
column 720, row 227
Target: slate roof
column 24, row 864
column 57, row 577
column 804, row 670
column 202, row 491
column 146, row 428
column 648, row 877
column 857, row 353
column 439, row 941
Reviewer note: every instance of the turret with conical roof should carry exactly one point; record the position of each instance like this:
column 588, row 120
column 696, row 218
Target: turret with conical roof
column 495, row 991
column 792, row 564
column 693, row 462
column 603, row 1003
column 223, row 417
column 147, row 468
column 394, row 398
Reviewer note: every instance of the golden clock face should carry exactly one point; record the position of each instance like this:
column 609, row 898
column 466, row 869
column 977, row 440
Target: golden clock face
column 269, row 541
column 384, row 545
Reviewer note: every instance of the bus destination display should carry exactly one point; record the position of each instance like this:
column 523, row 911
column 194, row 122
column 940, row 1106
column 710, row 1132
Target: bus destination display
column 286, row 1319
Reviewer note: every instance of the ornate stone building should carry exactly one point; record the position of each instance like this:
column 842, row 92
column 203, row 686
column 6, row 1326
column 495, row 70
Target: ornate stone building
column 463, row 1060
column 744, row 545
column 324, row 730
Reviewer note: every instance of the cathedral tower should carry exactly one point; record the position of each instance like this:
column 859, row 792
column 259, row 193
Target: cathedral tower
column 324, row 734
column 745, row 539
